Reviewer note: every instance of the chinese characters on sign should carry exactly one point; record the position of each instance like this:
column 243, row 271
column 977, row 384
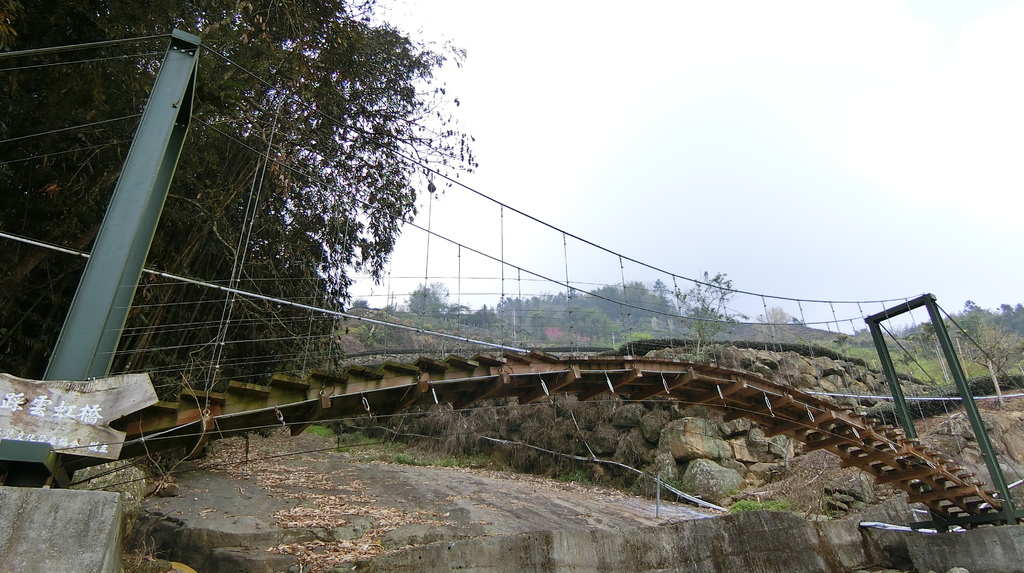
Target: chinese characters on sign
column 71, row 416
column 40, row 406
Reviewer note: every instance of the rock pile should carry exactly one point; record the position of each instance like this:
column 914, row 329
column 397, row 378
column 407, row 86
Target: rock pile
column 690, row 446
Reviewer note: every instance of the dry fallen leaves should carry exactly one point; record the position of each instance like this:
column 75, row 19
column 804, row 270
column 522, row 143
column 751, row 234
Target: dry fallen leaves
column 315, row 507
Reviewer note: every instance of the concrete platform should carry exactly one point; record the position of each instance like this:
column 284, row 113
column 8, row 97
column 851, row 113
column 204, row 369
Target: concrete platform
column 59, row 531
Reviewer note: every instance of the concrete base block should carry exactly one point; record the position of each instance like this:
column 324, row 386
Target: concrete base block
column 983, row 550
column 752, row 542
column 59, row 530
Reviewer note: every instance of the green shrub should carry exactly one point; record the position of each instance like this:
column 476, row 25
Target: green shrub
column 446, row 463
column 320, row 431
column 751, row 505
column 575, row 476
column 407, row 460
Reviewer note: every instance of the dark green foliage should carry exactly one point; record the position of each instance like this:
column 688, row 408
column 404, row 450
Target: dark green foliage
column 767, row 505
column 601, row 317
column 299, row 168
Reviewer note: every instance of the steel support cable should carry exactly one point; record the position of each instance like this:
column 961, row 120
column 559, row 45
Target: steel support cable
column 413, row 160
column 66, row 151
column 416, row 162
column 594, row 459
column 475, row 251
column 220, row 287
column 244, row 236
column 83, row 46
column 72, row 128
column 539, row 276
column 970, row 339
column 609, row 251
column 275, row 300
column 566, row 285
column 88, row 61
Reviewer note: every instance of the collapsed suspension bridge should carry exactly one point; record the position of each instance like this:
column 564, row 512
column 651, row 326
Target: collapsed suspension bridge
column 89, row 341
column 883, row 451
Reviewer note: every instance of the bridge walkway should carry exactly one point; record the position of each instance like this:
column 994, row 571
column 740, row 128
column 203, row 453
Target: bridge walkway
column 882, row 451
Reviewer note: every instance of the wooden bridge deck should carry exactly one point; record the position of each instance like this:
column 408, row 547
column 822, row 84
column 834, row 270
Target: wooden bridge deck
column 882, row 451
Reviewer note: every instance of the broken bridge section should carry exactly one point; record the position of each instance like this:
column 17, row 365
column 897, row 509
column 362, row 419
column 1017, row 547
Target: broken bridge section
column 882, row 451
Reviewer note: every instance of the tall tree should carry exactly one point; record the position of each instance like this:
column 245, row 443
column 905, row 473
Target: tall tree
column 704, row 308
column 312, row 120
column 431, row 301
column 995, row 348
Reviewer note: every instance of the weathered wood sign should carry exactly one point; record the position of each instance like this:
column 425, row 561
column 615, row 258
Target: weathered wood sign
column 73, row 417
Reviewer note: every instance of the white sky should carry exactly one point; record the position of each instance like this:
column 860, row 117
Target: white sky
column 829, row 150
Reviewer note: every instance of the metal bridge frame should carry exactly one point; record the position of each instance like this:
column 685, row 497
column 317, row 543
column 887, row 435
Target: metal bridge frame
column 1007, row 513
column 86, row 345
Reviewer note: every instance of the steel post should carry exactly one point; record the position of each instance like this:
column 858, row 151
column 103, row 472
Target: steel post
column 86, row 345
column 970, row 406
column 1007, row 512
column 899, row 400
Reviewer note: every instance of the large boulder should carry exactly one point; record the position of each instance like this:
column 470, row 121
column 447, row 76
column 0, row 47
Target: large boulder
column 652, row 423
column 694, row 438
column 604, row 439
column 664, row 466
column 632, row 449
column 710, row 481
column 628, row 416
column 756, row 447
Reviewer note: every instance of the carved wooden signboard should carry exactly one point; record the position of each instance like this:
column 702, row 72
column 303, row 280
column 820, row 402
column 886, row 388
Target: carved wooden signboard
column 73, row 417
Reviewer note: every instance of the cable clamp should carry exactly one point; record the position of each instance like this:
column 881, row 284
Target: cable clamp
column 280, row 417
column 766, row 401
column 610, row 387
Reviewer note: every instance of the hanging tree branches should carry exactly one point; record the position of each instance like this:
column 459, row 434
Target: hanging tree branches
column 297, row 169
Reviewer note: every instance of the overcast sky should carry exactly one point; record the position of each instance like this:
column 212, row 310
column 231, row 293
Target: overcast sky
column 826, row 150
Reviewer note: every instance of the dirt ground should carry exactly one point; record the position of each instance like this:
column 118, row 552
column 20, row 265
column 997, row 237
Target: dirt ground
column 357, row 510
column 300, row 500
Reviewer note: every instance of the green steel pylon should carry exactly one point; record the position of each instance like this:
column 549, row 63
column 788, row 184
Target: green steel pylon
column 86, row 345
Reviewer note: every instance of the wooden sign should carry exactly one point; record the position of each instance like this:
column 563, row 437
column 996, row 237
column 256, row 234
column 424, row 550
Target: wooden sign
column 73, row 417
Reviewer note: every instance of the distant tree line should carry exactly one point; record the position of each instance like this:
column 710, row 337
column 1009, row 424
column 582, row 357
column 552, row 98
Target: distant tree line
column 606, row 316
